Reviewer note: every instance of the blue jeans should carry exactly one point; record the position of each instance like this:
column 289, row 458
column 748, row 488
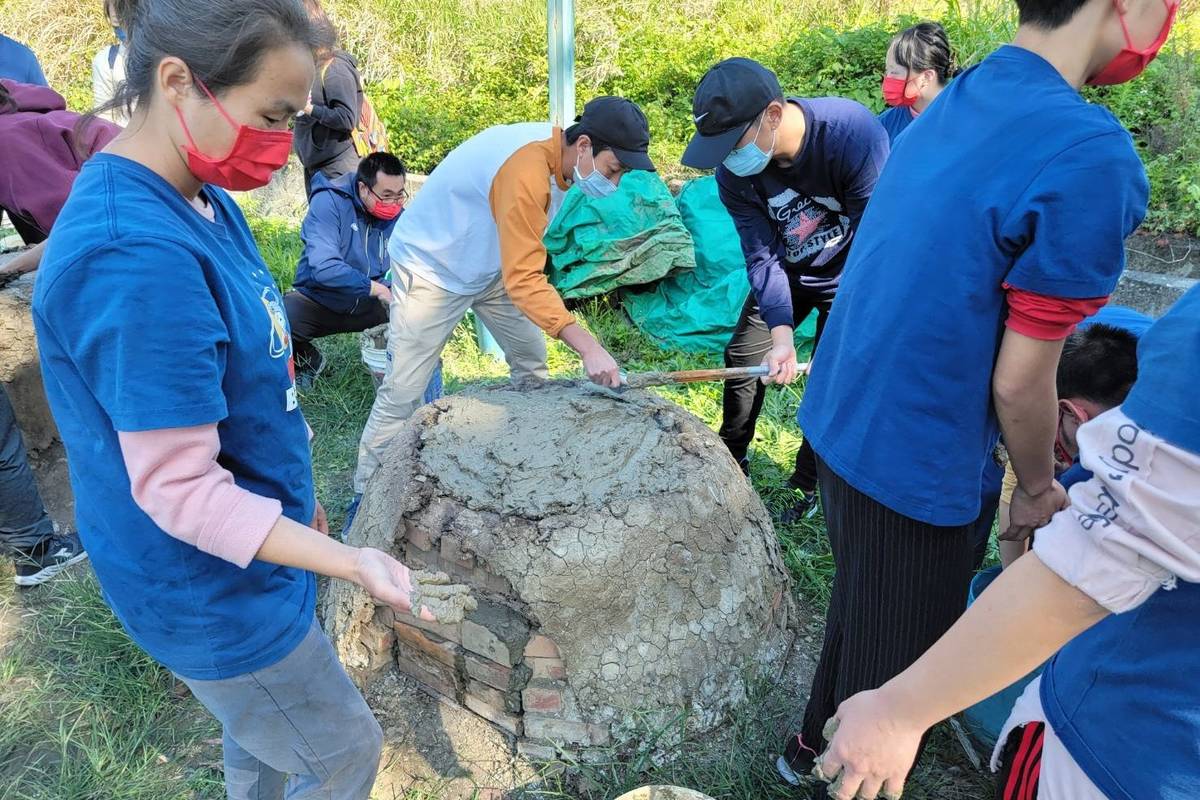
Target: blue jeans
column 23, row 519
column 300, row 717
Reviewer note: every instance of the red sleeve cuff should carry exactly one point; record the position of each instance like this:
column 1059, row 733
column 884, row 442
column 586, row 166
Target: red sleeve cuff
column 1040, row 316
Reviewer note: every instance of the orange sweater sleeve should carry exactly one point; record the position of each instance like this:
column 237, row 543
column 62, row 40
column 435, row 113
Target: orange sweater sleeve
column 520, row 199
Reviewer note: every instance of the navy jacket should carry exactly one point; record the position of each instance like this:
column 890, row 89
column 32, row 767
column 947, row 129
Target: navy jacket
column 345, row 248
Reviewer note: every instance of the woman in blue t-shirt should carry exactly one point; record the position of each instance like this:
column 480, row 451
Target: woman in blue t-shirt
column 919, row 65
column 167, row 359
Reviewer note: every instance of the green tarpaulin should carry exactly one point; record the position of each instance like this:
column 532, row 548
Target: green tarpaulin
column 634, row 236
column 677, row 262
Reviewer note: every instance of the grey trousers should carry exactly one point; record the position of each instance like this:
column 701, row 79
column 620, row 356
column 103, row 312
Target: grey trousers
column 302, row 718
column 23, row 519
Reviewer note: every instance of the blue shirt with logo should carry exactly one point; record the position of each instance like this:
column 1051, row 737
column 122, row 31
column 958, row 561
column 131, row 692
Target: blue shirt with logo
column 150, row 316
column 1039, row 191
column 1122, row 695
column 796, row 222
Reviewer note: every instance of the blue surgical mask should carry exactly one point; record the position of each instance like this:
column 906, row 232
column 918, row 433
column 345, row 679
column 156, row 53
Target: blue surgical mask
column 595, row 185
column 750, row 159
column 120, row 32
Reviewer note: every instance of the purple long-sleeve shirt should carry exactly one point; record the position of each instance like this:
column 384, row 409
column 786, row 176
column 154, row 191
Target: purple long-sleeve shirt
column 41, row 154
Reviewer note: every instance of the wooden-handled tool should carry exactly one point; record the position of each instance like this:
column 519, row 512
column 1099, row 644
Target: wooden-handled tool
column 640, row 380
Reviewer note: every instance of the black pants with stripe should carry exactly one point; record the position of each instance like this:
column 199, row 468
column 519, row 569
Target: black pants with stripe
column 899, row 585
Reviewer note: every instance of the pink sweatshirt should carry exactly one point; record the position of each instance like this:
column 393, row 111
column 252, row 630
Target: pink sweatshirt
column 176, row 480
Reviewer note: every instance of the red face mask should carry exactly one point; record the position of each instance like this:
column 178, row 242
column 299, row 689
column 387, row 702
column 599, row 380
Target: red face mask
column 1129, row 63
column 256, row 154
column 894, row 92
column 387, row 211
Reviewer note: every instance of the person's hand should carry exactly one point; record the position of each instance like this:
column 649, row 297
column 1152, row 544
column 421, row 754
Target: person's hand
column 308, row 106
column 387, row 580
column 871, row 748
column 320, row 522
column 381, row 292
column 781, row 363
column 601, row 367
column 1027, row 513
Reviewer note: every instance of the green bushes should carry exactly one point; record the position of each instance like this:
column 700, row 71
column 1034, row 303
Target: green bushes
column 442, row 70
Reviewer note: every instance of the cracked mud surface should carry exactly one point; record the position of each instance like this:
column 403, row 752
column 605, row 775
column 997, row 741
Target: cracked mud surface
column 627, row 532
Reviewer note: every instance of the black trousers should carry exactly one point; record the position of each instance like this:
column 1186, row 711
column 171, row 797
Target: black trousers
column 899, row 585
column 347, row 161
column 311, row 320
column 743, row 400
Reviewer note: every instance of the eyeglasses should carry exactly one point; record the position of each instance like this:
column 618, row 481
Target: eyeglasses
column 389, row 197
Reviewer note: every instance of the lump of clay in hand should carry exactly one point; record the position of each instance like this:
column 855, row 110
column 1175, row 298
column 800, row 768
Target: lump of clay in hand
column 447, row 602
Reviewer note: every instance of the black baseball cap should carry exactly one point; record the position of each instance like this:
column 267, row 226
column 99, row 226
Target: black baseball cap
column 730, row 96
column 621, row 125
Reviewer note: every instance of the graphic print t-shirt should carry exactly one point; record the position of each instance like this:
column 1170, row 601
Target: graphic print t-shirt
column 796, row 222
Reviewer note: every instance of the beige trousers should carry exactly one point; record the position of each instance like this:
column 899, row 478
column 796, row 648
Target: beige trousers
column 420, row 322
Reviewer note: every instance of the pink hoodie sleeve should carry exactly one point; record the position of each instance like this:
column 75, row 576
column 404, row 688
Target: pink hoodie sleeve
column 176, row 480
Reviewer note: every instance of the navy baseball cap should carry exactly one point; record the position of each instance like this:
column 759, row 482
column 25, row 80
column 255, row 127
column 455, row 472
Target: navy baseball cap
column 730, row 96
column 621, row 125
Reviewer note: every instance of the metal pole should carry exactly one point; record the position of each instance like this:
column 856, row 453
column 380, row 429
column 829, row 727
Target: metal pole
column 560, row 32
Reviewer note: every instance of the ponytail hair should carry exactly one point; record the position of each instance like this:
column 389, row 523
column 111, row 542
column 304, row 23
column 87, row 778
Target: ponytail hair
column 925, row 46
column 221, row 41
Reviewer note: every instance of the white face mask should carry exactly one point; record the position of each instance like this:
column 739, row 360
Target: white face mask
column 595, row 185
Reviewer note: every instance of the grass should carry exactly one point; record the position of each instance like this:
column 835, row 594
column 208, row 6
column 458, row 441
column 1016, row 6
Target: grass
column 84, row 714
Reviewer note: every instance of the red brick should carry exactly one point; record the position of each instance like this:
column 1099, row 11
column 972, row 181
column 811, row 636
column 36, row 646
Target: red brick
column 551, row 669
column 494, row 715
column 541, row 647
column 385, row 616
column 432, row 675
column 452, row 633
column 493, row 697
column 482, row 641
column 413, row 639
column 418, row 537
column 536, row 752
column 453, row 555
column 486, row 671
column 377, row 639
column 544, row 700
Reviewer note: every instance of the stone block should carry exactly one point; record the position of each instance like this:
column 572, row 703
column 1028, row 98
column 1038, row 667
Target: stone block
column 492, row 696
column 451, row 633
column 377, row 639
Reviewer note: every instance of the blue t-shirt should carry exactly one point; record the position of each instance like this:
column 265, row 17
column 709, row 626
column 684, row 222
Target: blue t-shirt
column 1039, row 191
column 1122, row 695
column 18, row 63
column 796, row 223
column 895, row 120
column 149, row 316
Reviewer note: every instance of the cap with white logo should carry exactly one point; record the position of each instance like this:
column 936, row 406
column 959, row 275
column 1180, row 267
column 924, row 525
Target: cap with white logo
column 730, row 96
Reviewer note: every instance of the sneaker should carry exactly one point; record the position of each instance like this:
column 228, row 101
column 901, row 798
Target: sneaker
column 806, row 506
column 52, row 556
column 351, row 513
column 307, row 369
column 796, row 764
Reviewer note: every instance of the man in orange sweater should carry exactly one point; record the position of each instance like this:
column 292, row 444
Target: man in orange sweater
column 472, row 239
